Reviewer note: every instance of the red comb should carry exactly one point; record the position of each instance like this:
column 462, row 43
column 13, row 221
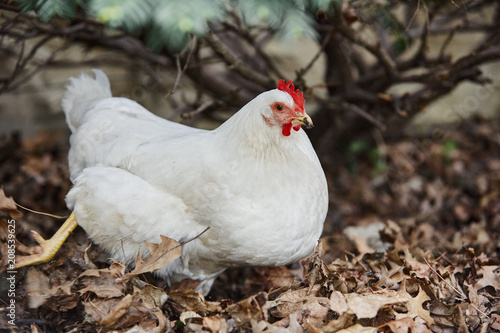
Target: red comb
column 297, row 96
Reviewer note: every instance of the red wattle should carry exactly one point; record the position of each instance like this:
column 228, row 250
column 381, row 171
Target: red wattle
column 296, row 127
column 286, row 129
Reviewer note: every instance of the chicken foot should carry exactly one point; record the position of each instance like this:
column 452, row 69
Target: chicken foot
column 48, row 248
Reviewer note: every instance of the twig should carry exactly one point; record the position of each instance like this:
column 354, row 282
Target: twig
column 232, row 60
column 375, row 49
column 326, row 40
column 413, row 17
column 180, row 70
column 447, row 41
column 195, row 237
column 202, row 108
column 27, row 77
column 41, row 213
column 425, row 35
column 356, row 109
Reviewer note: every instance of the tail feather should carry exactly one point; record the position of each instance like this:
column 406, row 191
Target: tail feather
column 80, row 92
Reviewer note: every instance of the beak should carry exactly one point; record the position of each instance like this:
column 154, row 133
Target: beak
column 303, row 120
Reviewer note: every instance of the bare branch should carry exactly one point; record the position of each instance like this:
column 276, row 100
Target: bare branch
column 366, row 115
column 375, row 49
column 232, row 60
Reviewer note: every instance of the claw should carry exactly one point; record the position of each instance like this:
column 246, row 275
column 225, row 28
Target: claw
column 48, row 248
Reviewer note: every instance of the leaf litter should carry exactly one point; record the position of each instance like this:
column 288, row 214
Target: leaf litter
column 413, row 248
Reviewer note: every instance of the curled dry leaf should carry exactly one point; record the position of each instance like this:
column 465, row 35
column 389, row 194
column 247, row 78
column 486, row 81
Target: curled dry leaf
column 142, row 307
column 8, row 206
column 161, row 254
column 190, row 300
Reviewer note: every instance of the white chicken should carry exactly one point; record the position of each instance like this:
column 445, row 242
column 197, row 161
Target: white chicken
column 257, row 184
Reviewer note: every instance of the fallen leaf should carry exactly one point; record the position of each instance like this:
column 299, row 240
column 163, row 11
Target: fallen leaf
column 365, row 305
column 8, row 206
column 117, row 311
column 490, row 277
column 292, row 300
column 414, row 305
column 358, row 329
column 161, row 254
column 104, row 282
column 265, row 327
column 148, row 295
column 187, row 315
column 495, row 321
column 190, row 300
column 215, row 324
column 248, row 309
column 37, row 284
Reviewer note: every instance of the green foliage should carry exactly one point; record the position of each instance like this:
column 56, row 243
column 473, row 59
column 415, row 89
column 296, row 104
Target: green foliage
column 127, row 14
column 354, row 149
column 289, row 18
column 46, row 9
column 378, row 162
column 449, row 146
column 175, row 20
column 359, row 148
column 170, row 23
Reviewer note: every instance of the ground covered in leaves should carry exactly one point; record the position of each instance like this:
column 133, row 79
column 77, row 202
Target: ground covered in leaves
column 411, row 244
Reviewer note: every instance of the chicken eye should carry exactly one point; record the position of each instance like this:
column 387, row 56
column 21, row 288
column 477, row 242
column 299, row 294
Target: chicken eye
column 279, row 107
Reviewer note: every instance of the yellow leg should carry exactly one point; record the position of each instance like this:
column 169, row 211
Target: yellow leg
column 48, row 248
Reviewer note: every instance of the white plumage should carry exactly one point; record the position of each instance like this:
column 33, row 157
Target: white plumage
column 259, row 188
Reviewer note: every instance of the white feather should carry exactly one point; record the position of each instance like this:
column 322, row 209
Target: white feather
column 137, row 176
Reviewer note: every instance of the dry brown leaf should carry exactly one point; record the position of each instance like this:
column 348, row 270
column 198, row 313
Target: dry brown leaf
column 188, row 315
column 490, row 277
column 8, row 205
column 63, row 289
column 142, row 309
column 358, row 329
column 248, row 309
column 190, row 300
column 495, row 321
column 37, row 286
column 117, row 311
column 338, row 302
column 405, row 324
column 414, row 305
column 163, row 322
column 479, row 302
column 104, row 287
column 104, row 282
column 343, row 321
column 149, row 296
column 115, row 271
column 365, row 305
column 215, row 324
column 317, row 271
column 265, row 327
column 292, row 300
column 161, row 254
